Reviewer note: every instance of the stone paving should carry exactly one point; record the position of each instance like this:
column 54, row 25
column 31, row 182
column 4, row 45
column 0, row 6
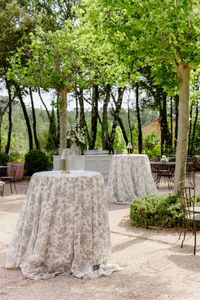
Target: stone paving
column 153, row 264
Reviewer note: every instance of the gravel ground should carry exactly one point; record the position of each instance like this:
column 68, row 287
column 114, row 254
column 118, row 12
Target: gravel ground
column 153, row 264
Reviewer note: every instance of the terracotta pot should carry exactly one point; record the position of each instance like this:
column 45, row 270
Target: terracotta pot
column 19, row 172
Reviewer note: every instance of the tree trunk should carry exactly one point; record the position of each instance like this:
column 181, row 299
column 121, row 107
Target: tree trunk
column 48, row 114
column 176, row 99
column 7, row 148
column 63, row 118
column 105, row 118
column 171, row 123
column 58, row 120
column 82, row 120
column 123, row 130
column 129, row 123
column 166, row 133
column 115, row 120
column 194, row 126
column 138, row 119
column 77, row 108
column 30, row 136
column 183, row 125
column 94, row 116
column 2, row 112
column 190, row 130
column 34, row 120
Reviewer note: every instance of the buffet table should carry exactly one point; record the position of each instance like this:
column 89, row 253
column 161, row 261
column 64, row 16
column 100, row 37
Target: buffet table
column 130, row 177
column 63, row 227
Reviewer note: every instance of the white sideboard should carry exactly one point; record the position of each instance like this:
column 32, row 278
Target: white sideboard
column 100, row 163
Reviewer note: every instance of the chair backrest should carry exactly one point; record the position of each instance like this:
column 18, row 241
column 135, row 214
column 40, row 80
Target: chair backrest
column 187, row 197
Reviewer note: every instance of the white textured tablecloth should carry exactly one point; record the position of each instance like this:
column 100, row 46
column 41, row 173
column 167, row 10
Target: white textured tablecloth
column 130, row 177
column 63, row 227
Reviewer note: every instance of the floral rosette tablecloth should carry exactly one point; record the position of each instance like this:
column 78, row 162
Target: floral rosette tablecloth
column 63, row 227
column 130, row 178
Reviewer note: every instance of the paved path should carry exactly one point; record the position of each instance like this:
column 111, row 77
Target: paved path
column 153, row 265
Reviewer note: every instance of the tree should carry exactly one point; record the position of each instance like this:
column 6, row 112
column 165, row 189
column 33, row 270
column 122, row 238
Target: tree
column 4, row 104
column 139, row 32
column 51, row 60
column 16, row 23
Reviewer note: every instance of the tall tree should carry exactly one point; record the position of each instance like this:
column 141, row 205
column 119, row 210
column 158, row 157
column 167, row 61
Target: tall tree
column 34, row 120
column 28, row 125
column 49, row 62
column 4, row 104
column 105, row 117
column 94, row 115
column 176, row 40
column 138, row 118
column 16, row 23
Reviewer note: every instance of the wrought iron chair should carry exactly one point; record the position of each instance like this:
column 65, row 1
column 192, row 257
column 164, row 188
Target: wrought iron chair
column 163, row 170
column 191, row 212
column 10, row 178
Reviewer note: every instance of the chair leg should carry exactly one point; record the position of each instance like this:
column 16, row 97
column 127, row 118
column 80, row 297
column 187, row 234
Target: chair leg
column 195, row 238
column 158, row 181
column 11, row 187
column 184, row 233
column 15, row 187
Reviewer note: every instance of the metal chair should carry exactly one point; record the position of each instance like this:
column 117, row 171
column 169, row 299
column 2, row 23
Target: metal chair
column 163, row 170
column 191, row 212
column 10, row 178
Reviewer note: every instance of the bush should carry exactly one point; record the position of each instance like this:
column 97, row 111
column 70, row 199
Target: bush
column 158, row 210
column 36, row 161
column 152, row 145
column 4, row 158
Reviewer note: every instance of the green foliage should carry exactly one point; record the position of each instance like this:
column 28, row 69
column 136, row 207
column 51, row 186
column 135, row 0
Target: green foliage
column 18, row 148
column 119, row 143
column 16, row 156
column 152, row 145
column 156, row 210
column 4, row 158
column 36, row 161
column 151, row 140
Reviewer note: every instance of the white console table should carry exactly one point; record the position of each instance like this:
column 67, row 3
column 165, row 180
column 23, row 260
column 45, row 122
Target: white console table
column 99, row 163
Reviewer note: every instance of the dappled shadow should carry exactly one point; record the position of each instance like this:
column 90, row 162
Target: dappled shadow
column 113, row 206
column 187, row 261
column 126, row 244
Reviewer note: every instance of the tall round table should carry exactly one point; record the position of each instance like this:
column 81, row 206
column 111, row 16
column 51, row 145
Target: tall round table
column 130, row 178
column 63, row 227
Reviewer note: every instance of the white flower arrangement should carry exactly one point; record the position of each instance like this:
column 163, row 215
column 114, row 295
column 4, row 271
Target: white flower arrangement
column 76, row 135
column 164, row 158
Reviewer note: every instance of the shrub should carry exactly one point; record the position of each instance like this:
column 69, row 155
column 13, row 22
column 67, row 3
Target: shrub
column 36, row 161
column 156, row 210
column 4, row 158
